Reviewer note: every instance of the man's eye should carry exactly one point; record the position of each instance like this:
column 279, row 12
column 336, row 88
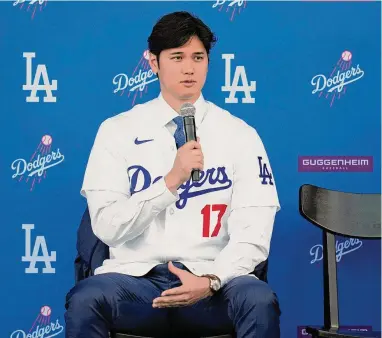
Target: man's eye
column 199, row 58
column 176, row 58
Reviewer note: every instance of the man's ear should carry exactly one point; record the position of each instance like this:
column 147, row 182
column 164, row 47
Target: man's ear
column 153, row 61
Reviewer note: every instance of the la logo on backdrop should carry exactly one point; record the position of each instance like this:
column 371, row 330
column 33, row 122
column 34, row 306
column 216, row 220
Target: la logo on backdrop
column 35, row 86
column 335, row 85
column 34, row 170
column 32, row 7
column 42, row 327
column 137, row 82
column 233, row 8
column 239, row 83
column 32, row 257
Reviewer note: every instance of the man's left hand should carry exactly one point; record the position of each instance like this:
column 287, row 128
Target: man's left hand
column 193, row 289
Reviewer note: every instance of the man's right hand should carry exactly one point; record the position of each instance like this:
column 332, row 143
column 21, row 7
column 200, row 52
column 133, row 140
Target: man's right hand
column 188, row 157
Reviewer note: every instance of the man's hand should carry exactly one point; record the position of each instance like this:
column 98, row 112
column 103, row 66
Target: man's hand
column 188, row 157
column 193, row 289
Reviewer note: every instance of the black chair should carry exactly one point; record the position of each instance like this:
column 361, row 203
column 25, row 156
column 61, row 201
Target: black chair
column 91, row 252
column 345, row 214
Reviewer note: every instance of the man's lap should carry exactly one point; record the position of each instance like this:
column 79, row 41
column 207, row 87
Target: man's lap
column 132, row 299
column 213, row 315
column 126, row 299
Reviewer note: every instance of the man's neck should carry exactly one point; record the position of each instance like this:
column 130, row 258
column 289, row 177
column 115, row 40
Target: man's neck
column 175, row 103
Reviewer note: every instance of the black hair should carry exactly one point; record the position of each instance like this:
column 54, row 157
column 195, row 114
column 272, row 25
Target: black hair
column 175, row 29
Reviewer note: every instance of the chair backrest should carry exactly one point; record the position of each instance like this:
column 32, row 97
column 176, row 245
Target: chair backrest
column 91, row 252
column 342, row 213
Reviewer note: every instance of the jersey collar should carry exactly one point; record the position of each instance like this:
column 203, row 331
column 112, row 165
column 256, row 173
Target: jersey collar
column 166, row 113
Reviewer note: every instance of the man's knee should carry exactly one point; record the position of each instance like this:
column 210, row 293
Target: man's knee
column 90, row 296
column 250, row 292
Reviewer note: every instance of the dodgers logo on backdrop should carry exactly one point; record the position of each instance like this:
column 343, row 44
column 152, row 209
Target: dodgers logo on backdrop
column 342, row 248
column 35, row 169
column 41, row 74
column 233, row 86
column 43, row 326
column 32, row 3
column 215, row 179
column 335, row 85
column 138, row 81
column 234, row 7
column 34, row 257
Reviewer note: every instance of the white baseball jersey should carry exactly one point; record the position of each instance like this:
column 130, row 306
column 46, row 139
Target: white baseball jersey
column 221, row 224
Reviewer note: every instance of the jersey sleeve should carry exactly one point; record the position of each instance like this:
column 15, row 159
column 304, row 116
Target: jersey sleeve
column 254, row 182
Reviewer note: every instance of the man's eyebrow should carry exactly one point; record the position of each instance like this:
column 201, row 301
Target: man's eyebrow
column 180, row 53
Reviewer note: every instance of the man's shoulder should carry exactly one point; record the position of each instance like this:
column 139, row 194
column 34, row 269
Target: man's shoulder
column 132, row 119
column 229, row 121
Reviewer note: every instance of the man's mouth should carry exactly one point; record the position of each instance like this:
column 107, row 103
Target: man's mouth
column 188, row 81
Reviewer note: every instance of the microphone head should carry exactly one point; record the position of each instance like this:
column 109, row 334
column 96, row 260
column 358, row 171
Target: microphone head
column 187, row 109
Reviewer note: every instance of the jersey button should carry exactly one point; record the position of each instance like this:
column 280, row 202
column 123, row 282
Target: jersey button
column 171, row 211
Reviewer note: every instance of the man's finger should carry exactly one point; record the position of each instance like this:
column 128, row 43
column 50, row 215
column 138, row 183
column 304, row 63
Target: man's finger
column 197, row 152
column 175, row 291
column 171, row 299
column 171, row 305
column 174, row 304
column 192, row 145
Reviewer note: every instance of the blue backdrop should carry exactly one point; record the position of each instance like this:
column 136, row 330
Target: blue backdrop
column 93, row 49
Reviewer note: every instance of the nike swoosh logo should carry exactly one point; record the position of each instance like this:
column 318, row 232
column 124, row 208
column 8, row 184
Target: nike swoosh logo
column 141, row 141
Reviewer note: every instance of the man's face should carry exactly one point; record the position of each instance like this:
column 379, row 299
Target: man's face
column 182, row 71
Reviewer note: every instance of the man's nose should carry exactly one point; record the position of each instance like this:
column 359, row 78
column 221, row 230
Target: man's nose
column 188, row 68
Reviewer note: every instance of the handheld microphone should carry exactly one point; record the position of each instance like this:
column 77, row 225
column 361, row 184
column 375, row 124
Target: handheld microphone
column 187, row 111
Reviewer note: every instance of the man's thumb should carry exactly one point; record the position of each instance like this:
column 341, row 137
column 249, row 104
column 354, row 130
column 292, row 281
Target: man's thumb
column 176, row 271
column 172, row 267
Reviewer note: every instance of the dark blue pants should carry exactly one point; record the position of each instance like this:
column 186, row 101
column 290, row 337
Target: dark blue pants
column 112, row 301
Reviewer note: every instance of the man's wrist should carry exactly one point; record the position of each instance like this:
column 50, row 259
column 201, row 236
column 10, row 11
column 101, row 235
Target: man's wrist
column 215, row 282
column 217, row 278
column 171, row 183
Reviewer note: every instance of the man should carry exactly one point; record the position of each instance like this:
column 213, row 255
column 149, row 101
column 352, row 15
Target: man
column 181, row 252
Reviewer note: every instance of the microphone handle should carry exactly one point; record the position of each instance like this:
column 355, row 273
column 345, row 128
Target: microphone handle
column 195, row 174
column 190, row 133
